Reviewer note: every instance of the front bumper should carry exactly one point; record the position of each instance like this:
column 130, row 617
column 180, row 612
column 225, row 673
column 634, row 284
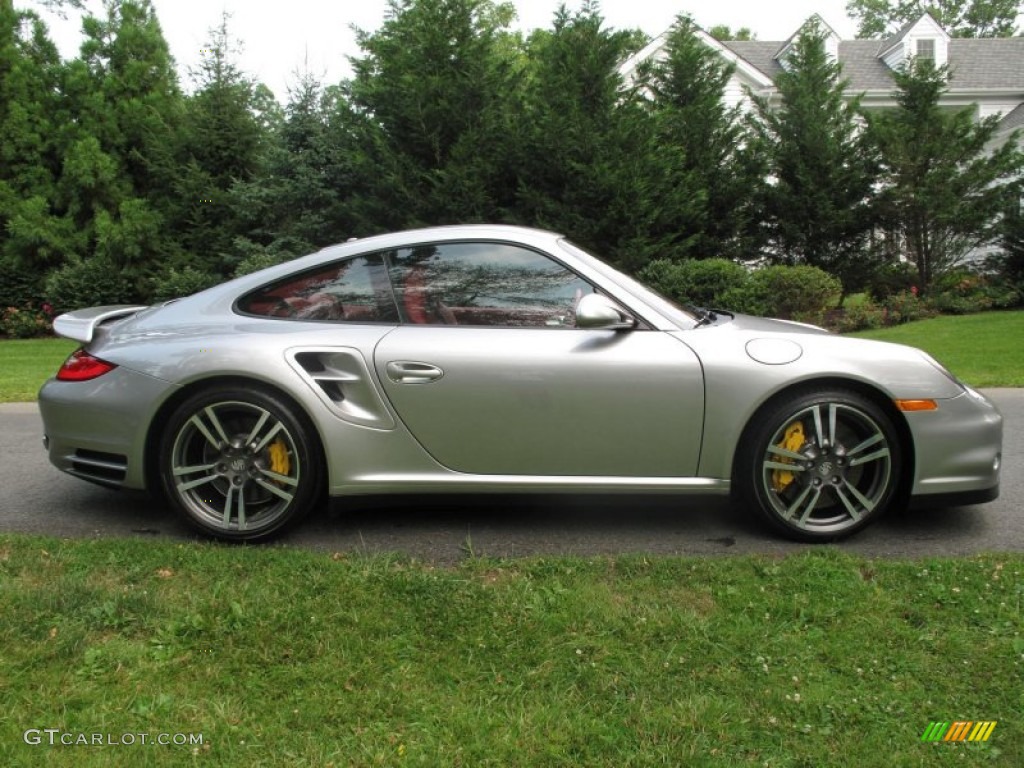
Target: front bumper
column 958, row 450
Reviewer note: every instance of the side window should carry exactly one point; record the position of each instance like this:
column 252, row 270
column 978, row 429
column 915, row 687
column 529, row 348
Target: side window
column 355, row 290
column 488, row 284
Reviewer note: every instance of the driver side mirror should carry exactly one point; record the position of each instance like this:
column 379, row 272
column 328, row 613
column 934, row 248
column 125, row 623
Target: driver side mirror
column 599, row 313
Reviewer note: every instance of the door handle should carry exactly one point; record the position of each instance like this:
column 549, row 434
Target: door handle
column 407, row 372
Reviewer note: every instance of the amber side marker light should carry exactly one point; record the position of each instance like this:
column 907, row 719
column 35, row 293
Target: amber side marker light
column 916, row 405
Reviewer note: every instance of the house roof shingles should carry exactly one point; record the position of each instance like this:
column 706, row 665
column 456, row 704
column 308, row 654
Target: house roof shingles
column 975, row 64
column 987, row 63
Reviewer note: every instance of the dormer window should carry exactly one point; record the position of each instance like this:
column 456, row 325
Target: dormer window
column 921, row 39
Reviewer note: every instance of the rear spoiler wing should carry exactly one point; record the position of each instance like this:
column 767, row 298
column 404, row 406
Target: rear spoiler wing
column 81, row 324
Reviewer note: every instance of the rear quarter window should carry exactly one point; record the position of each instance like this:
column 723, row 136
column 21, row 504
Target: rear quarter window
column 355, row 290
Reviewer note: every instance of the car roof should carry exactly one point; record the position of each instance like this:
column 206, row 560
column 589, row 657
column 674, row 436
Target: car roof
column 410, row 237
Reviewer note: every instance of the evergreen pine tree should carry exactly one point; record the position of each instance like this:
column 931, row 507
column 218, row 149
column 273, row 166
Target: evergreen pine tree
column 588, row 162
column 33, row 234
column 709, row 175
column 817, row 199
column 220, row 139
column 944, row 190
column 123, row 113
column 431, row 103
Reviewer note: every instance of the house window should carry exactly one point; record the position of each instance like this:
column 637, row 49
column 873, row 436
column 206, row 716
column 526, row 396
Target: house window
column 926, row 49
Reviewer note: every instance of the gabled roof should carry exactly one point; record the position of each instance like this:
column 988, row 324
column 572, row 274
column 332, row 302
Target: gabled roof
column 759, row 77
column 900, row 34
column 895, row 40
column 1012, row 121
column 824, row 26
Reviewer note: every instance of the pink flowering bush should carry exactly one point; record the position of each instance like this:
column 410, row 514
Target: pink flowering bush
column 26, row 322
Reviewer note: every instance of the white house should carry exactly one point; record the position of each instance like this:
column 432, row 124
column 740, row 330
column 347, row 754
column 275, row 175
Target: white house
column 986, row 74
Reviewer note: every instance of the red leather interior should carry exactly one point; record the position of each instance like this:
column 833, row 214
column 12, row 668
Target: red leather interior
column 414, row 297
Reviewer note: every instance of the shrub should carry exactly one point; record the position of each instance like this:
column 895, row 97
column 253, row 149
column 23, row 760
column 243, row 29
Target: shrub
column 26, row 323
column 963, row 291
column 893, row 279
column 859, row 317
column 704, row 283
column 19, row 287
column 88, row 283
column 949, row 303
column 793, row 293
column 746, row 299
column 905, row 306
column 175, row 283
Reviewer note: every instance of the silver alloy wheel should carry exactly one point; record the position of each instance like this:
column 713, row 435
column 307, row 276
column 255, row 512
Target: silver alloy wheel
column 839, row 474
column 235, row 467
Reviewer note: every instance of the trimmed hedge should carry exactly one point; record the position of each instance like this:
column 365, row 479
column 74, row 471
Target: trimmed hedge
column 792, row 293
column 702, row 283
column 88, row 283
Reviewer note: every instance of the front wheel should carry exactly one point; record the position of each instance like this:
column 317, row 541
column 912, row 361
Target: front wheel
column 821, row 466
column 238, row 464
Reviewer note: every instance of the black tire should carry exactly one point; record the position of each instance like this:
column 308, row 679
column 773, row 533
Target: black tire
column 820, row 466
column 239, row 464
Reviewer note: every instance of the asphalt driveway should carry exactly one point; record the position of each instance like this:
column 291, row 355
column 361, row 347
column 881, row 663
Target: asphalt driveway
column 37, row 498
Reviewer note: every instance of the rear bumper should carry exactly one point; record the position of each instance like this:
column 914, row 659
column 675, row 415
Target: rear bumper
column 96, row 430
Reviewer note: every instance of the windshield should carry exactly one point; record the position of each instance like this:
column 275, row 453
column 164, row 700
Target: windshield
column 678, row 314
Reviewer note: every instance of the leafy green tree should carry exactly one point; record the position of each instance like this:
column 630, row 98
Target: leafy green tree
column 944, row 190
column 430, row 107
column 817, row 197
column 961, row 18
column 707, row 172
column 725, row 32
column 33, row 233
column 58, row 6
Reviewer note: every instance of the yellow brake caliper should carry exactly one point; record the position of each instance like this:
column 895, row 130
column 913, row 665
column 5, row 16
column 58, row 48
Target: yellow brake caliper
column 279, row 461
column 792, row 440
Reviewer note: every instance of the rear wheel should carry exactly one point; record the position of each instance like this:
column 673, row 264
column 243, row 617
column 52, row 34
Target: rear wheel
column 239, row 464
column 821, row 466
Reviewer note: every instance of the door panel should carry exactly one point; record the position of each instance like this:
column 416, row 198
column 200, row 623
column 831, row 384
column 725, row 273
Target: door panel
column 547, row 401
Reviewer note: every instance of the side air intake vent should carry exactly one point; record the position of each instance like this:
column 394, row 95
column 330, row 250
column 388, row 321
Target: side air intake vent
column 341, row 380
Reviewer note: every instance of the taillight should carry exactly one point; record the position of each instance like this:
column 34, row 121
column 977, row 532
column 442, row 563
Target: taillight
column 81, row 366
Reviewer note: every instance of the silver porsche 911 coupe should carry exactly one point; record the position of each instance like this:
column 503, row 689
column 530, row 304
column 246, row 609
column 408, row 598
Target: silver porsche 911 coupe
column 500, row 359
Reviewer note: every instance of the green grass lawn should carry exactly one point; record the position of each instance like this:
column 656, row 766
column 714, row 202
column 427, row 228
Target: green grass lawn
column 26, row 363
column 284, row 657
column 985, row 350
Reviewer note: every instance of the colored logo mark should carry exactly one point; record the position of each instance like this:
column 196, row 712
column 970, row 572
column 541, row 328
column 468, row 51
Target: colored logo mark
column 962, row 730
